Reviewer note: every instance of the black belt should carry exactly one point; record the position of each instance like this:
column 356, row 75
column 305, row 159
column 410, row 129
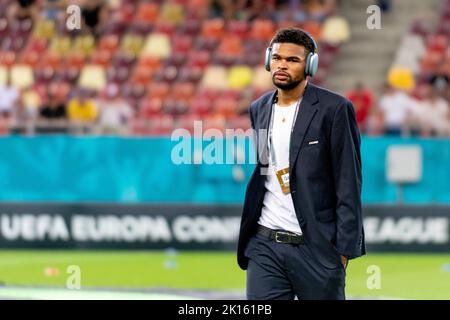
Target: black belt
column 281, row 236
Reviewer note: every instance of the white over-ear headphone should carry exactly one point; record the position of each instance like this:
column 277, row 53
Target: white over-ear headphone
column 312, row 60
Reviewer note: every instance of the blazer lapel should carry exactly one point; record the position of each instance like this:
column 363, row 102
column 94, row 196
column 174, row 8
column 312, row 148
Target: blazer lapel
column 264, row 116
column 305, row 114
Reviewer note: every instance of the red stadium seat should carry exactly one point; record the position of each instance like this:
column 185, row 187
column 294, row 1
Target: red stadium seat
column 4, row 27
column 147, row 12
column 226, row 107
column 177, row 59
column 123, row 60
column 149, row 62
column 30, row 58
column 437, row 43
column 142, row 74
column 199, row 59
column 313, row 28
column 149, row 108
column 164, row 27
column 133, row 91
column 126, row 12
column 430, row 62
column 208, row 44
column 239, row 122
column 109, row 43
column 50, row 59
column 101, row 57
column 230, row 46
column 190, row 74
column 166, row 74
column 181, row 44
column 213, row 28
column 76, row 60
column 118, row 74
column 69, row 74
column 14, row 43
column 183, row 91
column 262, row 29
column 238, row 28
column 443, row 27
column 159, row 90
column 201, row 106
column 162, row 125
column 175, row 108
column 44, row 75
column 191, row 27
column 214, row 122
column 37, row 45
column 187, row 122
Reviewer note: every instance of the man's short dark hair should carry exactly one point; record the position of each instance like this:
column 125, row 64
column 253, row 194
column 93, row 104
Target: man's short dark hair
column 295, row 36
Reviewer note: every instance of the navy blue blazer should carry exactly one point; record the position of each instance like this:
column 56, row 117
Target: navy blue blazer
column 325, row 177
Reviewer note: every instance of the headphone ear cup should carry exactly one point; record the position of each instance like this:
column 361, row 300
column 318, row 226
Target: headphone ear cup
column 268, row 58
column 313, row 64
column 308, row 64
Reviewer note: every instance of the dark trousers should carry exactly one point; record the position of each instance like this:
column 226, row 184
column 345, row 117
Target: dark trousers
column 280, row 271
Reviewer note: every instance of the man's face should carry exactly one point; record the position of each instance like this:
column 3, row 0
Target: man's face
column 288, row 65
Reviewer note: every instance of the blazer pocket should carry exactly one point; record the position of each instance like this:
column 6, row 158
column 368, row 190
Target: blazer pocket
column 326, row 215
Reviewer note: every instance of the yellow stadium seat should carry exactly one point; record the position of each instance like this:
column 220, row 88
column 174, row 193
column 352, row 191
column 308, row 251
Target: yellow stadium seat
column 22, row 76
column 215, row 77
column 61, row 45
column 31, row 99
column 157, row 45
column 132, row 44
column 92, row 77
column 172, row 12
column 239, row 77
column 44, row 29
column 85, row 44
column 261, row 79
column 335, row 30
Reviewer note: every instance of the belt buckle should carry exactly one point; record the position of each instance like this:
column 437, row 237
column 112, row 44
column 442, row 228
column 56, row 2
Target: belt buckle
column 277, row 233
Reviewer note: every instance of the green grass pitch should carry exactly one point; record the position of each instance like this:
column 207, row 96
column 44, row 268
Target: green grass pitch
column 402, row 276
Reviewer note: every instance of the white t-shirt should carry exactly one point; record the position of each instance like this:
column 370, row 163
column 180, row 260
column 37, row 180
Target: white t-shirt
column 433, row 114
column 278, row 208
column 114, row 113
column 8, row 96
column 396, row 107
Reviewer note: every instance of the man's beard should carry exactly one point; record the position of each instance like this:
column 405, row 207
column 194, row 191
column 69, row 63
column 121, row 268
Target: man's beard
column 291, row 84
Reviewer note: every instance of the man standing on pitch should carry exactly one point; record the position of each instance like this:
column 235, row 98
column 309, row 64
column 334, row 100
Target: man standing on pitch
column 302, row 217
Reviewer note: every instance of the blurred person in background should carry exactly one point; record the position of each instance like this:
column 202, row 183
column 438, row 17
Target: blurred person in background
column 374, row 124
column 319, row 10
column 241, row 9
column 115, row 112
column 23, row 9
column 9, row 96
column 385, row 5
column 82, row 110
column 289, row 10
column 54, row 9
column 397, row 108
column 95, row 14
column 53, row 115
column 431, row 114
column 440, row 81
column 362, row 99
